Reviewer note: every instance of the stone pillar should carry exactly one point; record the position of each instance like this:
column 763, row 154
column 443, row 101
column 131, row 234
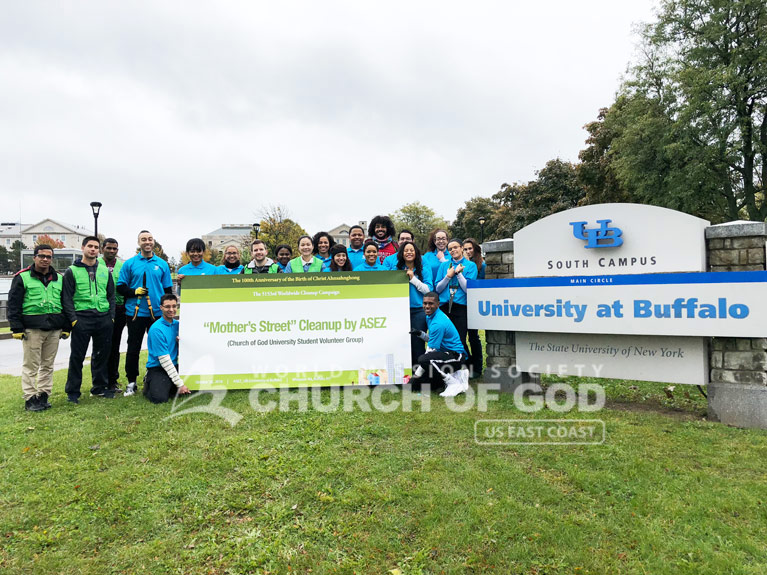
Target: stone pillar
column 500, row 347
column 737, row 391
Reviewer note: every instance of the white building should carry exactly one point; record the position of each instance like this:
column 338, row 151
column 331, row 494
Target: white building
column 237, row 234
column 71, row 236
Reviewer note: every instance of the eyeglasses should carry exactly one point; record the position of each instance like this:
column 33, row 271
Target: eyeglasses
column 42, row 257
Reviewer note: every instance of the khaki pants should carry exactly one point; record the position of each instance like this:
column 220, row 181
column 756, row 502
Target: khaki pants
column 40, row 349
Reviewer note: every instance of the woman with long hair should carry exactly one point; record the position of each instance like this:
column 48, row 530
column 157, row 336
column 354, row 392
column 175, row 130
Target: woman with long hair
column 322, row 242
column 450, row 283
column 436, row 250
column 339, row 259
column 472, row 251
column 409, row 260
column 305, row 262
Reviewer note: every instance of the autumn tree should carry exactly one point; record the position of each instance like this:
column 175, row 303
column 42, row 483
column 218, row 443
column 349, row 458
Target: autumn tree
column 46, row 239
column 277, row 228
column 419, row 219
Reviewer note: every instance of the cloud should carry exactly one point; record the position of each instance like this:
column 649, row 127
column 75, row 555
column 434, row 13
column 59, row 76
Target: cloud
column 180, row 116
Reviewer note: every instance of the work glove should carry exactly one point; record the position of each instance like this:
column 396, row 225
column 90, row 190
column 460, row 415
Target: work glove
column 140, row 291
column 19, row 336
column 74, row 323
column 64, row 335
column 420, row 334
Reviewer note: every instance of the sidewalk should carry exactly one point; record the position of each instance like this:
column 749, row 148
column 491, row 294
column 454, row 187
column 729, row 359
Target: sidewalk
column 11, row 355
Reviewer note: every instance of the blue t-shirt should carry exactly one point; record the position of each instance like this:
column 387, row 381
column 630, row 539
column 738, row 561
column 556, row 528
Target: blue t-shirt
column 442, row 333
column 204, row 269
column 356, row 257
column 157, row 279
column 431, row 259
column 223, row 270
column 325, row 262
column 416, row 297
column 469, row 272
column 162, row 340
column 364, row 267
column 390, row 262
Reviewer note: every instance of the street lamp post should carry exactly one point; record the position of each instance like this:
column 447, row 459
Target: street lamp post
column 256, row 229
column 96, row 207
column 482, row 221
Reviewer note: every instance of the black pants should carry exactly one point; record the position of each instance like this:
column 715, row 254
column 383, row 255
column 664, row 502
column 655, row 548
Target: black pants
column 476, row 352
column 417, row 345
column 435, row 363
column 136, row 330
column 459, row 316
column 99, row 329
column 158, row 387
column 114, row 355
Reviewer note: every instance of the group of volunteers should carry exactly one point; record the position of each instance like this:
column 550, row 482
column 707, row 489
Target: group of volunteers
column 99, row 295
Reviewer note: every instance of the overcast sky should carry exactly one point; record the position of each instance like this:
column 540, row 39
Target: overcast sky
column 181, row 116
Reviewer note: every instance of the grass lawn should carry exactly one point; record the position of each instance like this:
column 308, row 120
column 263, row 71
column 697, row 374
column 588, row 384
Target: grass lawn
column 111, row 486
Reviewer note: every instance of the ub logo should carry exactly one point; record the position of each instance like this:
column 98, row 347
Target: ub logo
column 602, row 237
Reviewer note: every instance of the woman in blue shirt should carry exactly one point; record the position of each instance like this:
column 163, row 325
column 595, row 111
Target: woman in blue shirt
column 339, row 261
column 323, row 242
column 436, row 251
column 472, row 251
column 450, row 284
column 371, row 263
column 409, row 260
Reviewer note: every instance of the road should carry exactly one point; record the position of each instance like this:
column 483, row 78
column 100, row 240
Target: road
column 11, row 355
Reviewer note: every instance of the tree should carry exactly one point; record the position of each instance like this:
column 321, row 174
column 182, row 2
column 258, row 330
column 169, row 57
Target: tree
column 691, row 123
column 5, row 261
column 277, row 228
column 555, row 189
column 15, row 259
column 46, row 239
column 419, row 219
column 466, row 223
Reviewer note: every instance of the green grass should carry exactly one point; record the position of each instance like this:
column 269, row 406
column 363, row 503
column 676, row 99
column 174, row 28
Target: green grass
column 111, row 486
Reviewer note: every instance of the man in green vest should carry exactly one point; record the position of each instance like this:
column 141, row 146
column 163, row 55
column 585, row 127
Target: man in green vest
column 109, row 249
column 88, row 300
column 36, row 319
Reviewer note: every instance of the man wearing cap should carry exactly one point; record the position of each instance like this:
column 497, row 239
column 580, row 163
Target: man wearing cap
column 36, row 319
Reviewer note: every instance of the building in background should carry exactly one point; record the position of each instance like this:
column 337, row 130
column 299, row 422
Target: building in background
column 341, row 233
column 238, row 234
column 71, row 236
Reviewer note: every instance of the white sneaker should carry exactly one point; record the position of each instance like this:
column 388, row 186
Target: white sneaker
column 463, row 376
column 130, row 389
column 454, row 386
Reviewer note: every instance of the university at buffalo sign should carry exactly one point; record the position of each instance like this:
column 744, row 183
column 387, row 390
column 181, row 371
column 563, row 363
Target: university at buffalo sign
column 618, row 290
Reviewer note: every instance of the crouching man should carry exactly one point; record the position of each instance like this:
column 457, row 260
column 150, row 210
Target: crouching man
column 162, row 380
column 445, row 356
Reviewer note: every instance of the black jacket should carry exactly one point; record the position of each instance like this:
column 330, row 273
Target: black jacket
column 19, row 322
column 68, row 292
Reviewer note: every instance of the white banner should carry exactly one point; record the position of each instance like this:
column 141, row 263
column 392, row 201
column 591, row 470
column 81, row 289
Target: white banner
column 726, row 304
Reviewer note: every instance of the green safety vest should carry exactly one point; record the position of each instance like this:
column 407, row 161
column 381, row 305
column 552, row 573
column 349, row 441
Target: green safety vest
column 38, row 298
column 88, row 294
column 297, row 265
column 119, row 300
